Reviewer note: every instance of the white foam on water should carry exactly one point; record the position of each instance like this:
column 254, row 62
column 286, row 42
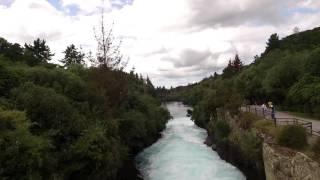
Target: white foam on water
column 181, row 155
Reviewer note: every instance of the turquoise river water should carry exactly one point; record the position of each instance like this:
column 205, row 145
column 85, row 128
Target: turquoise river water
column 180, row 153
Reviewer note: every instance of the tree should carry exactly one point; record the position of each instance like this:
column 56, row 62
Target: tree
column 8, row 80
column 108, row 50
column 313, row 63
column 227, row 72
column 72, row 56
column 150, row 88
column 39, row 51
column 22, row 154
column 237, row 64
column 234, row 66
column 273, row 43
column 215, row 75
column 11, row 51
column 4, row 45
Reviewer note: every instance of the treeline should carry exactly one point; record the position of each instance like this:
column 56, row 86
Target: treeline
column 71, row 121
column 287, row 74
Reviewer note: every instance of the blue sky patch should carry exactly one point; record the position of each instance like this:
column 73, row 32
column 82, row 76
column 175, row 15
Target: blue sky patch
column 73, row 10
column 6, row 3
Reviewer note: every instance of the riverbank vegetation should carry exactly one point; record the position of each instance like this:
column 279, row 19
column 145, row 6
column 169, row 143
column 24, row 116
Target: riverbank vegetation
column 286, row 73
column 71, row 121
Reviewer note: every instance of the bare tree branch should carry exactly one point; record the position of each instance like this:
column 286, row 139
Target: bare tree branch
column 109, row 49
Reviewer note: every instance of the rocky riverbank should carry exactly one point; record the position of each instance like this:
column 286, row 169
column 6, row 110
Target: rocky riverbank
column 253, row 170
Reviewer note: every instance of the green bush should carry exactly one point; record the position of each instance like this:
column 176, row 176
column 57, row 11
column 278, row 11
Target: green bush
column 250, row 144
column 266, row 127
column 221, row 130
column 22, row 154
column 8, row 80
column 293, row 136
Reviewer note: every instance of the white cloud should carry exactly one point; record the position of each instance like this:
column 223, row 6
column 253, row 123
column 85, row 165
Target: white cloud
column 314, row 4
column 174, row 42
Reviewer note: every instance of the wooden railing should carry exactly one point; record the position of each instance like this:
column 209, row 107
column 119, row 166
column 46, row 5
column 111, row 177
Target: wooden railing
column 267, row 114
column 262, row 112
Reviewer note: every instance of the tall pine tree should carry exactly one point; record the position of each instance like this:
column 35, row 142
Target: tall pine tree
column 72, row 56
column 39, row 52
column 273, row 43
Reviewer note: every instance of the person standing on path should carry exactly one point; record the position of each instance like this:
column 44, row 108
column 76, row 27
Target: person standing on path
column 272, row 112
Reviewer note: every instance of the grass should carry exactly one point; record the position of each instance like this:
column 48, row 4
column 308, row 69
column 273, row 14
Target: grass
column 267, row 127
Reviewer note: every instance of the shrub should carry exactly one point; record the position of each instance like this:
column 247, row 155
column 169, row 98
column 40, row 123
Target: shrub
column 250, row 144
column 22, row 154
column 266, row 127
column 221, row 130
column 316, row 148
column 246, row 120
column 8, row 80
column 293, row 136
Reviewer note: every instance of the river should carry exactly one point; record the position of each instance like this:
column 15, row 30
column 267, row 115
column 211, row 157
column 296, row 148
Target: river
column 180, row 153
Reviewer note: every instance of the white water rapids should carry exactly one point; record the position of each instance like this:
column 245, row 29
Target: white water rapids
column 180, row 153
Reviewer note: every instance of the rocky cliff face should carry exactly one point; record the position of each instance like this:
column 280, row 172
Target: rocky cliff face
column 288, row 165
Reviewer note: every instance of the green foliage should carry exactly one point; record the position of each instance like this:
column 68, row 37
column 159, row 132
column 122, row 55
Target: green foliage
column 46, row 108
column 287, row 74
column 73, row 123
column 13, row 52
column 304, row 95
column 302, row 41
column 97, row 153
column 22, row 154
column 221, row 130
column 280, row 78
column 313, row 63
column 266, row 127
column 133, row 129
column 38, row 52
column 273, row 43
column 233, row 67
column 72, row 56
column 250, row 144
column 62, row 81
column 200, row 115
column 8, row 80
column 293, row 136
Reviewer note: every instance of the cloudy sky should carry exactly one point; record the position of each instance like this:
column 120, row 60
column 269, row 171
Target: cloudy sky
column 174, row 42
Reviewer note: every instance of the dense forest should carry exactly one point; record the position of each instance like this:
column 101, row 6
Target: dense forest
column 286, row 73
column 71, row 121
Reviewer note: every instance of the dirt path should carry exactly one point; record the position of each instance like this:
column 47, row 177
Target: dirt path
column 281, row 114
column 315, row 123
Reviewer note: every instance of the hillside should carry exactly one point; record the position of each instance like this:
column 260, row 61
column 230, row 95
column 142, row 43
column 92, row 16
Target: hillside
column 287, row 73
column 71, row 121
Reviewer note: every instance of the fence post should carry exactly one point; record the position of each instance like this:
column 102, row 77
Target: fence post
column 264, row 116
column 311, row 128
column 273, row 116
